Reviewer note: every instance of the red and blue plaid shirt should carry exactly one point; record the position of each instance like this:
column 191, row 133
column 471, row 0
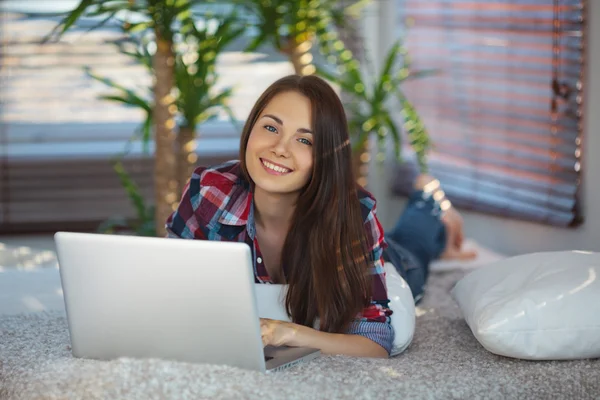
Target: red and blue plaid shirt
column 217, row 204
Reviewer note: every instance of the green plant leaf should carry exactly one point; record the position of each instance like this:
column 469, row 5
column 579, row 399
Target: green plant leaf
column 416, row 132
column 355, row 10
column 205, row 116
column 389, row 122
column 140, row 55
column 113, row 225
column 349, row 86
column 147, row 227
column 232, row 118
column 69, row 20
column 127, row 96
column 138, row 27
column 127, row 100
column 419, row 74
column 386, row 73
column 146, row 130
column 258, row 41
column 132, row 190
column 104, row 21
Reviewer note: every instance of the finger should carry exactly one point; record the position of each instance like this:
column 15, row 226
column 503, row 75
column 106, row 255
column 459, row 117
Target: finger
column 264, row 334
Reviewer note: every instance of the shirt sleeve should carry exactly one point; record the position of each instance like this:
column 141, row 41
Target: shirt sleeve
column 374, row 322
column 184, row 222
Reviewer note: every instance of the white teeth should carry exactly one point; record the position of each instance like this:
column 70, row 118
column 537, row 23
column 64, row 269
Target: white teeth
column 275, row 167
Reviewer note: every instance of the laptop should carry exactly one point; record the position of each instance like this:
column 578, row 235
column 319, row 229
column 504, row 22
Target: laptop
column 173, row 299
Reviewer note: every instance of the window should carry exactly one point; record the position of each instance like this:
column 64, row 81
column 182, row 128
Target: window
column 57, row 138
column 505, row 109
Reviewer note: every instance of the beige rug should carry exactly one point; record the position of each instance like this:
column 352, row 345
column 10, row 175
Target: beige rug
column 443, row 362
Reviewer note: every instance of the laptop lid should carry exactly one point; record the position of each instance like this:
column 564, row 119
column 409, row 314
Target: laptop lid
column 129, row 296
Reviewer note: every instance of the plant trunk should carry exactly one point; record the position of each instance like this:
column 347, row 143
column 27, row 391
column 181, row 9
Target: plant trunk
column 360, row 163
column 295, row 52
column 165, row 183
column 186, row 159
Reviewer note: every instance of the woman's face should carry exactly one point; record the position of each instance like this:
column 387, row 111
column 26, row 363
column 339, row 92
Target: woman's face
column 279, row 155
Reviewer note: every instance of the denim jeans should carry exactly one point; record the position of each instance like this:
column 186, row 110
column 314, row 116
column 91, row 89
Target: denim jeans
column 418, row 238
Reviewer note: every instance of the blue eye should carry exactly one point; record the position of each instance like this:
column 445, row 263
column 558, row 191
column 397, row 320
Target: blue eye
column 270, row 128
column 305, row 141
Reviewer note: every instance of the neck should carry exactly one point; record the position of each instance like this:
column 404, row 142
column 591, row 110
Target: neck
column 274, row 211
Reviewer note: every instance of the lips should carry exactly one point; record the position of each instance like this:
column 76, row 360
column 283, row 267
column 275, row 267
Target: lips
column 273, row 168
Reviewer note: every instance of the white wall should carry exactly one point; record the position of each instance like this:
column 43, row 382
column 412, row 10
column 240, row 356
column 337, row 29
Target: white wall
column 507, row 235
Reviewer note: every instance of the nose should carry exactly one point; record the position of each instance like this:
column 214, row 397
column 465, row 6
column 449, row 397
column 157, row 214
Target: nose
column 281, row 147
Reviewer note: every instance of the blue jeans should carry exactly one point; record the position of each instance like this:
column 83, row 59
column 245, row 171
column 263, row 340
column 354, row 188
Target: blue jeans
column 418, row 238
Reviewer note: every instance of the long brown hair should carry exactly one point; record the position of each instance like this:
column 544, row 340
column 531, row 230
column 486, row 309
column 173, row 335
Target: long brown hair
column 325, row 256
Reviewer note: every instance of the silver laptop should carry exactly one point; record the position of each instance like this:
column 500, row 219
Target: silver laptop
column 183, row 300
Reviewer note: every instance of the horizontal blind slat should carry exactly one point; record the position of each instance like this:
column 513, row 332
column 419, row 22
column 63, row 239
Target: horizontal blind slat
column 499, row 146
column 512, row 163
column 472, row 143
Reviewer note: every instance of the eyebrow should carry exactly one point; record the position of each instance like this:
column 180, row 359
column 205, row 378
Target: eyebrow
column 280, row 122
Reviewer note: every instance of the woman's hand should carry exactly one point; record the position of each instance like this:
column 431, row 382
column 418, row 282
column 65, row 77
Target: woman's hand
column 281, row 333
column 277, row 333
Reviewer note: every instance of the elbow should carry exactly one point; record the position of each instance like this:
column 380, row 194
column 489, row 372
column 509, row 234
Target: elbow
column 378, row 351
column 382, row 353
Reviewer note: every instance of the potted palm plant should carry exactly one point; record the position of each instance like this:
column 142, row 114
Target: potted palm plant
column 182, row 97
column 293, row 27
column 371, row 109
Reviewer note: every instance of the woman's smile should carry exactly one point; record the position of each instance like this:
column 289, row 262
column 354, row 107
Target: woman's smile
column 273, row 168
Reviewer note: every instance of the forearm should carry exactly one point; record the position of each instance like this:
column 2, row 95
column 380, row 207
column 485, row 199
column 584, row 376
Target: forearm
column 337, row 343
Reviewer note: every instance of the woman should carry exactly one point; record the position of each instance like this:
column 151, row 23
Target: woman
column 293, row 199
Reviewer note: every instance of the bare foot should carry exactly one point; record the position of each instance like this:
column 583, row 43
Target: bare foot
column 461, row 255
column 453, row 222
column 451, row 219
column 424, row 180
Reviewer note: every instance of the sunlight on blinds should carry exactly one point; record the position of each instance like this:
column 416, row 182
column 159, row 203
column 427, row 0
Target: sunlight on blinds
column 505, row 109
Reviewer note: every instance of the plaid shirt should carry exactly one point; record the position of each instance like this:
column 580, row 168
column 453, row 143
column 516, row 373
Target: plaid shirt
column 217, row 204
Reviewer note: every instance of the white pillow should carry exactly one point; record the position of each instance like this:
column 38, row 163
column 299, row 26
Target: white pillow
column 270, row 301
column 541, row 306
column 402, row 304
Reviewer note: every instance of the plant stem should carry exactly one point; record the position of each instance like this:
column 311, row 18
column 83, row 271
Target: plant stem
column 296, row 53
column 165, row 183
column 186, row 160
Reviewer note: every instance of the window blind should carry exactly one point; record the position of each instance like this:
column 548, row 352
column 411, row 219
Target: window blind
column 505, row 108
column 57, row 138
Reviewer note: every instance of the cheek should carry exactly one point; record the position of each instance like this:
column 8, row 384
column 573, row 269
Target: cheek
column 258, row 142
column 251, row 151
column 307, row 161
column 251, row 142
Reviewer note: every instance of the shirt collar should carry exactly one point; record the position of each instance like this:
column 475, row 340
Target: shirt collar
column 239, row 210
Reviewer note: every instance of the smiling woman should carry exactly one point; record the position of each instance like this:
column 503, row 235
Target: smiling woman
column 316, row 198
column 294, row 200
column 281, row 145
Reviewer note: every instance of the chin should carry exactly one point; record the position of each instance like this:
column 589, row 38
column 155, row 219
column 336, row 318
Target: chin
column 273, row 187
column 274, row 184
